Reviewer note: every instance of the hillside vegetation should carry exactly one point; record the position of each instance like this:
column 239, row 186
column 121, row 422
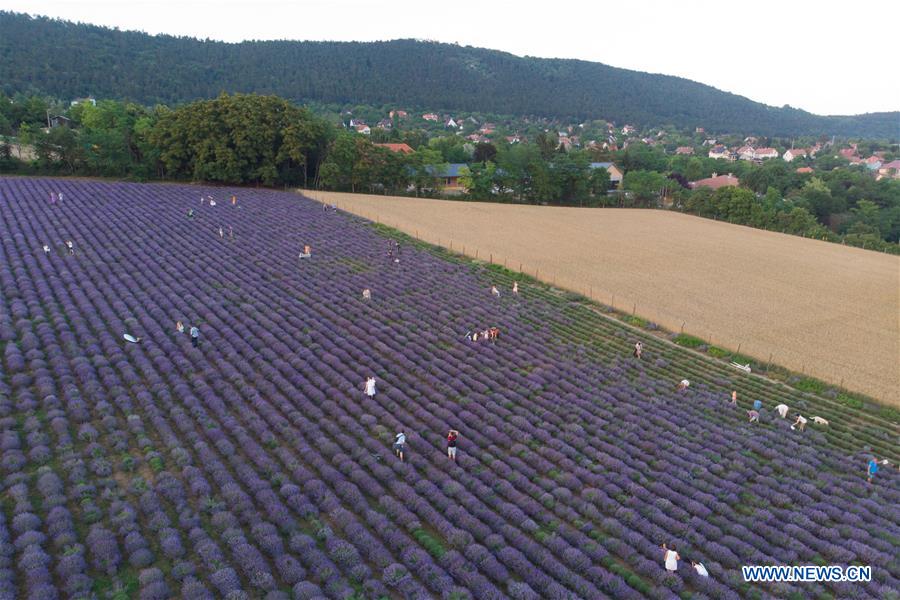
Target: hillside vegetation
column 69, row 60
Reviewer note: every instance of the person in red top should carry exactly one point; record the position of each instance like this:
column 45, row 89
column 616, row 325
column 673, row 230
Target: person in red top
column 451, row 444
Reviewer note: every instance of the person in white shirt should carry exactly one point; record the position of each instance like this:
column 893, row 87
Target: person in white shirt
column 671, row 557
column 370, row 386
column 495, row 291
column 515, row 287
column 685, row 384
column 221, row 233
column 71, row 247
column 46, row 249
column 701, row 570
column 367, row 294
column 734, row 397
column 399, row 444
column 799, row 423
column 638, row 349
column 782, row 410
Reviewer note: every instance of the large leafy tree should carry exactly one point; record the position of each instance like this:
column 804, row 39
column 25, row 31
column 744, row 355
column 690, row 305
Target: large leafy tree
column 238, row 139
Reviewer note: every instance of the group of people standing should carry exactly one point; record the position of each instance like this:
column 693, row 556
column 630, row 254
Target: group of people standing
column 194, row 333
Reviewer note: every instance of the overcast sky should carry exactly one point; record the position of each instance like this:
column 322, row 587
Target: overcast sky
column 824, row 56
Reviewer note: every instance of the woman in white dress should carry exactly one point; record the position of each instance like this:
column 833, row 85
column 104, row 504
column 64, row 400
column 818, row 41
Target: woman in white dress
column 671, row 557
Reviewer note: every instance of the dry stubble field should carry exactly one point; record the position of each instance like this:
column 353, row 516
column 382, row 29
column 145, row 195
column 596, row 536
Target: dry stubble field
column 829, row 310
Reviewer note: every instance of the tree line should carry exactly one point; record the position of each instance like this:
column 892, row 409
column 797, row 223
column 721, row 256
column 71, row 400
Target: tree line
column 266, row 140
column 68, row 60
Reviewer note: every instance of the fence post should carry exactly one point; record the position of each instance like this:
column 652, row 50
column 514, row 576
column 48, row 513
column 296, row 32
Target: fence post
column 613, row 303
column 769, row 363
column 739, row 349
column 476, row 252
column 492, row 258
column 682, row 327
column 633, row 308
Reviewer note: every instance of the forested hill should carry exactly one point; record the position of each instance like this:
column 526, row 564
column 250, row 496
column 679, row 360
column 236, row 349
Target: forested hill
column 69, row 60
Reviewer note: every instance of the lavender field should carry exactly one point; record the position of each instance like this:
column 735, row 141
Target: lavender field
column 255, row 466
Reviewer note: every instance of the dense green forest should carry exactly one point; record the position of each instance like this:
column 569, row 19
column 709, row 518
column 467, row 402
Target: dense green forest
column 68, row 60
column 266, row 140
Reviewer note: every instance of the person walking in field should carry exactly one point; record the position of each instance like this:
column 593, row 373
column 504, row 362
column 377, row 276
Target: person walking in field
column 638, row 350
column 221, row 233
column 367, row 294
column 46, row 249
column 734, row 397
column 800, row 423
column 52, row 198
column 399, row 445
column 683, row 385
column 754, row 416
column 872, row 469
column 195, row 337
column 190, row 213
column 671, row 558
column 452, row 437
column 60, row 197
column 230, row 233
column 516, row 288
column 233, row 200
column 495, row 291
column 307, row 252
column 782, row 410
column 370, row 386
column 71, row 247
column 757, row 404
column 179, row 326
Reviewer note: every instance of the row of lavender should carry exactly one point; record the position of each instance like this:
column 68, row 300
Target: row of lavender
column 279, row 471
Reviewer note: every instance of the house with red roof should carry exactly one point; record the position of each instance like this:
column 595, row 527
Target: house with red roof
column 431, row 117
column 746, row 153
column 684, row 150
column 848, row 153
column 763, row 153
column 716, row 181
column 804, row 170
column 793, row 153
column 891, row 170
column 400, row 114
column 401, row 148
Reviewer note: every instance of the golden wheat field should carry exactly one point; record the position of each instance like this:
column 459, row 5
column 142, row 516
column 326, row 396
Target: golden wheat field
column 828, row 310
